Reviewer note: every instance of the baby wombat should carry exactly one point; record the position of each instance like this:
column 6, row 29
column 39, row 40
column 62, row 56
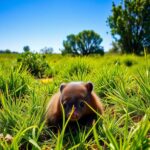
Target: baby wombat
column 75, row 98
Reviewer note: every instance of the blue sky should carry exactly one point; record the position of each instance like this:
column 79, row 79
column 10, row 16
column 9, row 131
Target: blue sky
column 46, row 23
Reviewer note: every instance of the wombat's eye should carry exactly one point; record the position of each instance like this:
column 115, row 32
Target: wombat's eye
column 64, row 105
column 81, row 104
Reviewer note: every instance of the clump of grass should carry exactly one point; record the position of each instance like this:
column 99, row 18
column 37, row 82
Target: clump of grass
column 137, row 100
column 107, row 79
column 36, row 64
column 77, row 70
column 23, row 120
column 16, row 83
column 79, row 67
column 123, row 133
column 143, row 81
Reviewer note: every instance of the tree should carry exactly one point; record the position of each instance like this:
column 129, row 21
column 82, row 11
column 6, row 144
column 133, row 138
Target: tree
column 115, row 48
column 130, row 23
column 84, row 43
column 26, row 48
column 7, row 51
column 146, row 43
column 70, row 45
column 47, row 50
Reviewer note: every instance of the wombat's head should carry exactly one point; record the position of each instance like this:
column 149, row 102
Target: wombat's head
column 73, row 98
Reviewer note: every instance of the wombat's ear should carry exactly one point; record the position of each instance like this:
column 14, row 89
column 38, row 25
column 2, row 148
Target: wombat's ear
column 89, row 86
column 62, row 86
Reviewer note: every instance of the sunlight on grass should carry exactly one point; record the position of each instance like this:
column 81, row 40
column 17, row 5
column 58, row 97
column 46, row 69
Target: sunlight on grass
column 122, row 82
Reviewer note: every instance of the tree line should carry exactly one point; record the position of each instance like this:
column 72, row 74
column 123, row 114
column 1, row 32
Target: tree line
column 130, row 25
column 130, row 28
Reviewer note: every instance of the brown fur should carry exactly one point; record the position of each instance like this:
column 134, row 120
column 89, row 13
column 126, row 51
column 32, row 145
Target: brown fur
column 73, row 94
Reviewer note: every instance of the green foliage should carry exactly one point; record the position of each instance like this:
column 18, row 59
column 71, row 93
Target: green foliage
column 130, row 23
column 107, row 80
column 128, row 62
column 129, row 136
column 26, row 48
column 47, row 50
column 25, row 124
column 123, row 90
column 84, row 43
column 15, row 84
column 35, row 64
column 116, row 48
column 7, row 51
column 77, row 70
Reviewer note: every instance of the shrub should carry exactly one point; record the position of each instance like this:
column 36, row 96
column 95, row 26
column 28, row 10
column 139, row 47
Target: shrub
column 128, row 62
column 35, row 64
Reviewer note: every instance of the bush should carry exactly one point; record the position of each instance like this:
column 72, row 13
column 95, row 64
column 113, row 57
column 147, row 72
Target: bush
column 35, row 64
column 128, row 62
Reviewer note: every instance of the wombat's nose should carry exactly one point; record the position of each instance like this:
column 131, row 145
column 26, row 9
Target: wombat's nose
column 75, row 114
column 74, row 117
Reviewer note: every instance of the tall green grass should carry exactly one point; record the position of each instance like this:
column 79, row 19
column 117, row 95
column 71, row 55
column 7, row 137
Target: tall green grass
column 122, row 82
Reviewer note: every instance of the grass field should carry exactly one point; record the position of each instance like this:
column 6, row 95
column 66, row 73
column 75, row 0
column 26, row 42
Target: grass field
column 122, row 82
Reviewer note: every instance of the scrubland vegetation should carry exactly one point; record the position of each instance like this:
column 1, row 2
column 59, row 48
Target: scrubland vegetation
column 27, row 82
column 122, row 82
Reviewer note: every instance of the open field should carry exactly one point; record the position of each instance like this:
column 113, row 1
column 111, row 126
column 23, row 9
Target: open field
column 122, row 82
